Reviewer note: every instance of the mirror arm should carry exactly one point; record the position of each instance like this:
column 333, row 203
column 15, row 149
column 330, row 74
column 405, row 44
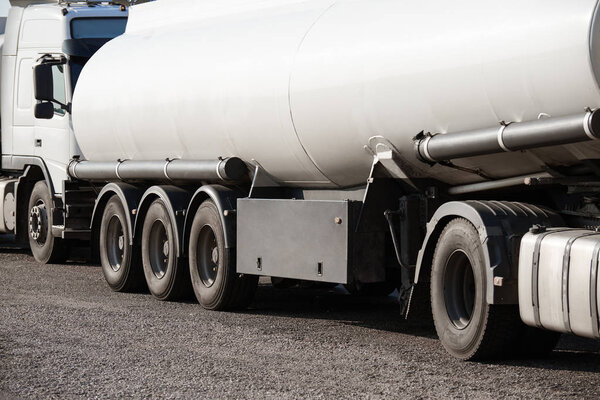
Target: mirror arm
column 66, row 107
column 51, row 60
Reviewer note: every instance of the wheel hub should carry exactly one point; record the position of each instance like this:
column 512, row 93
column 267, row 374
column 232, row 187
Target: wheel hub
column 37, row 223
column 215, row 256
column 459, row 289
column 208, row 257
column 165, row 249
column 115, row 240
column 160, row 249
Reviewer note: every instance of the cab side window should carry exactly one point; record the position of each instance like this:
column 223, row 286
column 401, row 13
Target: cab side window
column 58, row 83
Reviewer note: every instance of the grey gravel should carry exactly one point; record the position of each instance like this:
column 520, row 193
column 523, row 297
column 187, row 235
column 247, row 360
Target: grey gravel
column 64, row 334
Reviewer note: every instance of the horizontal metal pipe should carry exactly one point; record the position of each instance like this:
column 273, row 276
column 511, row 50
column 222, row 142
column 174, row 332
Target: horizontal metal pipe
column 510, row 137
column 228, row 169
column 498, row 184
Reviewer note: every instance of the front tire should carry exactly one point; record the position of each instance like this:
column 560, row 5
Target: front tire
column 216, row 284
column 46, row 248
column 166, row 276
column 467, row 326
column 120, row 262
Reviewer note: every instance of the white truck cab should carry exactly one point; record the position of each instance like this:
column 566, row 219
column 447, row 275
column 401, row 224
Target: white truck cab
column 60, row 37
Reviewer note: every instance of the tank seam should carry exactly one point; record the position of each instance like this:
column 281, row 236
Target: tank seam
column 593, row 25
column 290, row 92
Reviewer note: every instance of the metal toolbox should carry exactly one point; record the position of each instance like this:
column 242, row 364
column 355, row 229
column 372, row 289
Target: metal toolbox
column 299, row 239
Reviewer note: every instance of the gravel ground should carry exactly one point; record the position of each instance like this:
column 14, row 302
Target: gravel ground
column 64, row 334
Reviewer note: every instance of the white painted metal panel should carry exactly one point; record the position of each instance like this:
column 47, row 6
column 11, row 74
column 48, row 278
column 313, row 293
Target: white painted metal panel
column 393, row 69
column 301, row 85
column 564, row 291
column 526, row 306
column 579, row 286
column 550, row 280
column 225, row 95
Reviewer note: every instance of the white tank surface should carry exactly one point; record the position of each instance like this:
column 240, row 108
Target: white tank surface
column 301, row 85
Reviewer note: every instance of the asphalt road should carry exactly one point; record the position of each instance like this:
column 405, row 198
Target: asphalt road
column 64, row 334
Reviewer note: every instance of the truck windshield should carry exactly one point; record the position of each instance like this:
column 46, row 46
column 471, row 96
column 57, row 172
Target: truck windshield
column 87, row 36
column 88, row 28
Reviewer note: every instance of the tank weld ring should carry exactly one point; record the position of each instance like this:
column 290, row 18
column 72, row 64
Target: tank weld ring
column 119, row 162
column 587, row 122
column 501, row 143
column 165, row 168
column 424, row 148
column 221, row 161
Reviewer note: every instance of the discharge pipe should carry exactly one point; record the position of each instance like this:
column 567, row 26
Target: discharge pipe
column 509, row 137
column 226, row 169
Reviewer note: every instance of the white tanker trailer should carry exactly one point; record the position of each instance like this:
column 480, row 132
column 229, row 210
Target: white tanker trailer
column 447, row 150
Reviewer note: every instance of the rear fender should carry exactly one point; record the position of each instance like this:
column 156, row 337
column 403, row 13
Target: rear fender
column 500, row 225
column 225, row 199
column 176, row 200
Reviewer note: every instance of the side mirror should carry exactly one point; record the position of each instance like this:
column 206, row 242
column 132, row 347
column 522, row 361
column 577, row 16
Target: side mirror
column 44, row 110
column 42, row 82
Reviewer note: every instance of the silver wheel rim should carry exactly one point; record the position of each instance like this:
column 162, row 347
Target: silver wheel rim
column 159, row 249
column 459, row 289
column 208, row 257
column 115, row 243
column 38, row 222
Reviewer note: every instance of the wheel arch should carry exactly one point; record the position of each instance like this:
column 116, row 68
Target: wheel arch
column 225, row 198
column 33, row 168
column 32, row 174
column 129, row 196
column 176, row 200
column 500, row 226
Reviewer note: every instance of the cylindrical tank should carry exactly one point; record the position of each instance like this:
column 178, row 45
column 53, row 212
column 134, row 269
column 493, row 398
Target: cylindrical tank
column 300, row 86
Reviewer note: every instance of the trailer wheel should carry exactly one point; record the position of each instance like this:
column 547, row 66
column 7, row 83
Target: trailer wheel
column 467, row 326
column 166, row 276
column 216, row 284
column 122, row 270
column 46, row 248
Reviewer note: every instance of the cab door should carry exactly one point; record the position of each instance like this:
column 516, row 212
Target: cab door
column 52, row 133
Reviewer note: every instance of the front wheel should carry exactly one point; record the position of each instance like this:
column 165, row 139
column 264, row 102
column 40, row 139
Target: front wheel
column 216, row 284
column 45, row 247
column 467, row 326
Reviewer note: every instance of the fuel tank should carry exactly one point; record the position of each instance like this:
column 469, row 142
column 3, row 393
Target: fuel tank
column 300, row 86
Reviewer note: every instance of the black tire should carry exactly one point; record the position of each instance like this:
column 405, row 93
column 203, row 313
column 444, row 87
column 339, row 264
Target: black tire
column 166, row 275
column 46, row 248
column 216, row 283
column 467, row 326
column 120, row 260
